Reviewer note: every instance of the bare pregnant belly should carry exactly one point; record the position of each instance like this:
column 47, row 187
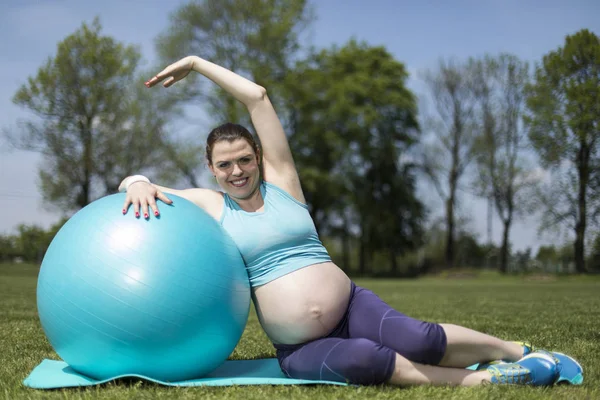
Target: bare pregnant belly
column 303, row 305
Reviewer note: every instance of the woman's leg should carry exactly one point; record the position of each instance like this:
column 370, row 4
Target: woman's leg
column 466, row 347
column 423, row 342
column 408, row 373
column 364, row 362
column 357, row 361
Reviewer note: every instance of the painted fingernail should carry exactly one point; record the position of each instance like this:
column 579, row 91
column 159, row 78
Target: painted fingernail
column 156, row 213
column 124, row 211
column 145, row 215
column 137, row 214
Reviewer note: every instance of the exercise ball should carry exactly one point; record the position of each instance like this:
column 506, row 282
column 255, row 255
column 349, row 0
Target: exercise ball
column 166, row 298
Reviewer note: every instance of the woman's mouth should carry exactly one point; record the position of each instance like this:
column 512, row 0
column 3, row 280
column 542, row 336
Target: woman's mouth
column 239, row 182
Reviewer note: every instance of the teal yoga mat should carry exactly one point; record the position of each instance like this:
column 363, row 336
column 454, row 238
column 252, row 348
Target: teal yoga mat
column 52, row 374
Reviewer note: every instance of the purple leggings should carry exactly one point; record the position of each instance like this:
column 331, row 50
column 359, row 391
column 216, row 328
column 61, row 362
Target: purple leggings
column 362, row 348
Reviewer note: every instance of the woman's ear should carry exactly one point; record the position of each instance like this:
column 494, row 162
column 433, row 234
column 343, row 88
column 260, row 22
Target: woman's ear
column 258, row 155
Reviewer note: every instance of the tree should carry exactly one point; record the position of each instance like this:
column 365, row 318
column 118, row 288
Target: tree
column 547, row 254
column 498, row 85
column 255, row 38
column 351, row 121
column 448, row 157
column 594, row 258
column 564, row 127
column 90, row 126
column 8, row 248
column 32, row 243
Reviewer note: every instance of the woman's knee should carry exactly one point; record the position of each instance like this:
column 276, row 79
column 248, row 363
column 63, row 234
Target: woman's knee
column 366, row 362
column 355, row 361
column 428, row 346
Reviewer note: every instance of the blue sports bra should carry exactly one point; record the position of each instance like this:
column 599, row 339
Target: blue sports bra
column 276, row 241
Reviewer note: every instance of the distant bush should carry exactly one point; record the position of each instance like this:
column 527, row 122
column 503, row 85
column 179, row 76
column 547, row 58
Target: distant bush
column 29, row 244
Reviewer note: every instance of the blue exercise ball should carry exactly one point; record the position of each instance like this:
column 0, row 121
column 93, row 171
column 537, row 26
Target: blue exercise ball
column 166, row 298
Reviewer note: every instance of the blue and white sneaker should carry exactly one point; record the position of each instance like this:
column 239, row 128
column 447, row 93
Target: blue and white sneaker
column 571, row 372
column 538, row 368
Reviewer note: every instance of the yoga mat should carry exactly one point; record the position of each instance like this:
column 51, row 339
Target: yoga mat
column 52, row 374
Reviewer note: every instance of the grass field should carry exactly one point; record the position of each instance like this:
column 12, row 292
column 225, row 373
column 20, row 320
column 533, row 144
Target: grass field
column 556, row 313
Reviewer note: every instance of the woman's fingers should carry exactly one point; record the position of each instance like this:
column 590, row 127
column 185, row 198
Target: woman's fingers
column 165, row 73
column 162, row 197
column 144, row 211
column 160, row 76
column 136, row 208
column 153, row 206
column 142, row 206
column 152, row 81
column 172, row 73
column 171, row 80
column 126, row 205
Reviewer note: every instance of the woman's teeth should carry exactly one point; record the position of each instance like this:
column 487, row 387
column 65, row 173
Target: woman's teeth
column 239, row 182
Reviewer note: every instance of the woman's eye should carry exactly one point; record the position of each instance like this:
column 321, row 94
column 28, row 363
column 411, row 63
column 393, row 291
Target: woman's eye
column 224, row 165
column 244, row 160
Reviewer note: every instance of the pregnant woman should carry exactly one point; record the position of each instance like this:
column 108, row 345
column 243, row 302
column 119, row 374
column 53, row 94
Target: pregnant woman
column 322, row 325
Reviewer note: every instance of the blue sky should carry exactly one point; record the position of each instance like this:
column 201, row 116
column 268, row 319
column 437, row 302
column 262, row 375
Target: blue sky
column 416, row 32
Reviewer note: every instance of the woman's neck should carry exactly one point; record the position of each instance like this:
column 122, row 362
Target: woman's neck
column 253, row 203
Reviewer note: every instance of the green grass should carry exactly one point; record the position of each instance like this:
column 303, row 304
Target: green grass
column 557, row 313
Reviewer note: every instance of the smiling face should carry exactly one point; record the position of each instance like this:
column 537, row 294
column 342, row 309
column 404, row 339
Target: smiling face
column 236, row 168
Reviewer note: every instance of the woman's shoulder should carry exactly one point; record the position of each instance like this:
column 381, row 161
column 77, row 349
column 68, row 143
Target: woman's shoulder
column 209, row 200
column 288, row 183
column 282, row 192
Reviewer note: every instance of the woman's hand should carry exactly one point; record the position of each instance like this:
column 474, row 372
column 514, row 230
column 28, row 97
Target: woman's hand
column 142, row 195
column 173, row 73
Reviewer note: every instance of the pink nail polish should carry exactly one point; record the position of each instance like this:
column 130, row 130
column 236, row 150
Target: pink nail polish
column 145, row 215
column 124, row 211
column 137, row 214
column 156, row 213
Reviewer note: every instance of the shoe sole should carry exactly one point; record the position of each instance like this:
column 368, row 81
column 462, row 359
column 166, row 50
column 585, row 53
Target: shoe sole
column 576, row 379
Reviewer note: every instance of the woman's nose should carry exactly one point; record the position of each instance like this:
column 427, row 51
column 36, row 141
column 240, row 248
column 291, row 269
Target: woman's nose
column 237, row 170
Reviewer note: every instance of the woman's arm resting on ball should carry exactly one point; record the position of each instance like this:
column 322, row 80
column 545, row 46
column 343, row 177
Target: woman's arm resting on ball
column 142, row 195
column 279, row 165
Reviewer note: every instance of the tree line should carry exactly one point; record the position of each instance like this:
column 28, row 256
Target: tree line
column 526, row 139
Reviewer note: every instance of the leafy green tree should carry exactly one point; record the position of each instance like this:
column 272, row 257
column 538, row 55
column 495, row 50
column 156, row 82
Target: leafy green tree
column 255, row 38
column 351, row 121
column 91, row 124
column 547, row 254
column 469, row 253
column 564, row 127
column 32, row 243
column 8, row 248
column 594, row 258
column 446, row 159
column 521, row 260
column 498, row 84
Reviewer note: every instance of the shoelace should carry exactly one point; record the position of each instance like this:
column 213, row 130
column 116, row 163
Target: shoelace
column 511, row 374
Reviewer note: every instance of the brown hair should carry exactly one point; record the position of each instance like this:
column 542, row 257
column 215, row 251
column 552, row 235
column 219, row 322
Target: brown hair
column 229, row 132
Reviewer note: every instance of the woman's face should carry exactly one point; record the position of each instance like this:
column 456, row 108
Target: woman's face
column 235, row 166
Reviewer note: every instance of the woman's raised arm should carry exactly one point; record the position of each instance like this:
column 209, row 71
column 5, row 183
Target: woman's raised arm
column 278, row 165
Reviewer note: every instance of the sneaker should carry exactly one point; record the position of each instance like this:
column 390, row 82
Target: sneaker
column 571, row 372
column 538, row 368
